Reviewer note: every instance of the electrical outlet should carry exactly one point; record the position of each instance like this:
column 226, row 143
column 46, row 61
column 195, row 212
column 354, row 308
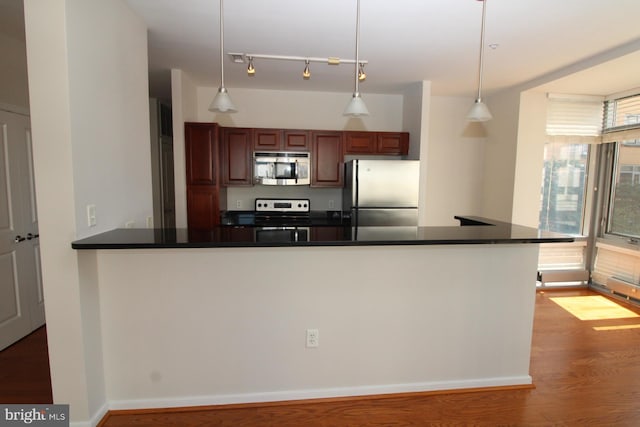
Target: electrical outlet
column 238, row 204
column 331, row 204
column 313, row 338
column 129, row 224
column 149, row 222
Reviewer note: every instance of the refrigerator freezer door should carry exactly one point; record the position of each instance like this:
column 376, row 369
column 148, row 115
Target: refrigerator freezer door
column 386, row 217
column 386, row 183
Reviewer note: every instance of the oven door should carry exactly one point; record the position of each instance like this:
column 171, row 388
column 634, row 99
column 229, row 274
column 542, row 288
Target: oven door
column 281, row 234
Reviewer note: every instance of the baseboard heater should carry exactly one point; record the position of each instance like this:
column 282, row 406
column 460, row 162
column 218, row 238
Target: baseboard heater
column 624, row 287
column 554, row 276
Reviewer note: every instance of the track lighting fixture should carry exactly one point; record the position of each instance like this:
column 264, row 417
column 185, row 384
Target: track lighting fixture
column 306, row 74
column 250, row 69
column 356, row 106
column 479, row 111
column 222, row 102
column 249, row 58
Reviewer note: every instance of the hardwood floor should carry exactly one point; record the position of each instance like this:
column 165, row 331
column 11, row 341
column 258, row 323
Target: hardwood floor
column 582, row 377
column 24, row 370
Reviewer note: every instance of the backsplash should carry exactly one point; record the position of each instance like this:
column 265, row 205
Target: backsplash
column 322, row 199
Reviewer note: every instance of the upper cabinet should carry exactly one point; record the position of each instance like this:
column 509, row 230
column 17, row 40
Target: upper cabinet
column 388, row 143
column 281, row 140
column 326, row 159
column 203, row 175
column 392, row 143
column 237, row 148
column 296, row 140
column 200, row 151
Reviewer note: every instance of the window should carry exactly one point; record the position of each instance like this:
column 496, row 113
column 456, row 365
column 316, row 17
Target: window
column 622, row 127
column 563, row 187
column 624, row 202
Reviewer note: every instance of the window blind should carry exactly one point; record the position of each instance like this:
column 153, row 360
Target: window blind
column 574, row 119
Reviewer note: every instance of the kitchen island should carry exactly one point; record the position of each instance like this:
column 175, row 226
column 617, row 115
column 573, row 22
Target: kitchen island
column 204, row 318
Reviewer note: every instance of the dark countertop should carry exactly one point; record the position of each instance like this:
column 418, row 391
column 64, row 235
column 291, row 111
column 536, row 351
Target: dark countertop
column 474, row 230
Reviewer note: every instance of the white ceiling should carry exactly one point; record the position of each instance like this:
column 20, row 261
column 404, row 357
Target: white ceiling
column 404, row 41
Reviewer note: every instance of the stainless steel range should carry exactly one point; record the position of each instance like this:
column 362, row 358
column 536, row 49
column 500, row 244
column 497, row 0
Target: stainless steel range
column 282, row 212
column 282, row 220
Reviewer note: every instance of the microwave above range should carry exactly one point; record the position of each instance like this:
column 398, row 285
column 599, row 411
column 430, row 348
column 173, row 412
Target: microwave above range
column 286, row 168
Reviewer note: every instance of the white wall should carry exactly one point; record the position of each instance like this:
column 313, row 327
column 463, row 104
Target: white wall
column 14, row 89
column 454, row 170
column 183, row 101
column 529, row 158
column 415, row 115
column 395, row 319
column 302, row 110
column 109, row 114
column 500, row 155
column 90, row 125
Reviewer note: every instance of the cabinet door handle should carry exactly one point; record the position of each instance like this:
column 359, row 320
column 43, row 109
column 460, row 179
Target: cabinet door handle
column 19, row 239
column 32, row 236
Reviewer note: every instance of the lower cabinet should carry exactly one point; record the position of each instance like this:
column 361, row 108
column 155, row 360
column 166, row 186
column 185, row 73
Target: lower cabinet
column 203, row 210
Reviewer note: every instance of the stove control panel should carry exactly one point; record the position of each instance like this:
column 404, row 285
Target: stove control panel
column 283, row 205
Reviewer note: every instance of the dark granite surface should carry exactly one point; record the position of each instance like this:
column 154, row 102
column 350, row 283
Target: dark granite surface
column 475, row 230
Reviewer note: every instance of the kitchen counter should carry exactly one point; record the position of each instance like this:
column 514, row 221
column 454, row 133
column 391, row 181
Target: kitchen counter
column 205, row 318
column 474, row 230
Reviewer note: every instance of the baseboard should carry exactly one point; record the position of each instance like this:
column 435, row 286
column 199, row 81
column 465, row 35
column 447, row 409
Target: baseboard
column 329, row 393
column 95, row 419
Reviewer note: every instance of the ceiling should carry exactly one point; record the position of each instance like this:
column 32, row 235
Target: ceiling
column 404, row 41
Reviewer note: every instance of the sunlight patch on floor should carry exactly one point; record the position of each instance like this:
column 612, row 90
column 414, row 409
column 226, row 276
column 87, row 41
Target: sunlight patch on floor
column 615, row 327
column 593, row 307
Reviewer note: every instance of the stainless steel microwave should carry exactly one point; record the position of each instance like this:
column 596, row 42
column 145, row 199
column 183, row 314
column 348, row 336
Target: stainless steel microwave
column 285, row 168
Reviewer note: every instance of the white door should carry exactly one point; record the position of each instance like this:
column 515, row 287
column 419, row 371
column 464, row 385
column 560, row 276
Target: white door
column 21, row 296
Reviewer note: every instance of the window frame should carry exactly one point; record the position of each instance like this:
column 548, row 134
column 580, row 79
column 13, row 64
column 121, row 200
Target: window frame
column 609, row 164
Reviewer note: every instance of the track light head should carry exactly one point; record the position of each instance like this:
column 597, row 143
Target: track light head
column 251, row 69
column 362, row 76
column 306, row 74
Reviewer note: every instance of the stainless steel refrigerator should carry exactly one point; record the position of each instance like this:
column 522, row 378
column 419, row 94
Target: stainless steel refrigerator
column 381, row 192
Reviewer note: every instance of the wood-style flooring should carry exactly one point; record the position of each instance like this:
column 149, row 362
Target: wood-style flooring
column 582, row 377
column 24, row 370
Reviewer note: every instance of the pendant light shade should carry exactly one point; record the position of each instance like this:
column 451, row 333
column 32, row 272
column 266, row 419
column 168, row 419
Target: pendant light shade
column 479, row 111
column 356, row 106
column 222, row 102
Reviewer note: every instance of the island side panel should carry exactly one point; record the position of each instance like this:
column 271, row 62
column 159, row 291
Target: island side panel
column 208, row 326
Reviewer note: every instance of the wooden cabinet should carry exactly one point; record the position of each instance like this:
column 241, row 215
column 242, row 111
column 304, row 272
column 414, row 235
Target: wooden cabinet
column 392, row 143
column 203, row 175
column 203, row 207
column 296, row 140
column 267, row 139
column 200, row 152
column 389, row 143
column 280, row 140
column 359, row 142
column 326, row 159
column 237, row 147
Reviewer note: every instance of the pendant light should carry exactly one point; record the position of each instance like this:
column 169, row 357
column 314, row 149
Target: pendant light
column 222, row 102
column 479, row 111
column 356, row 106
